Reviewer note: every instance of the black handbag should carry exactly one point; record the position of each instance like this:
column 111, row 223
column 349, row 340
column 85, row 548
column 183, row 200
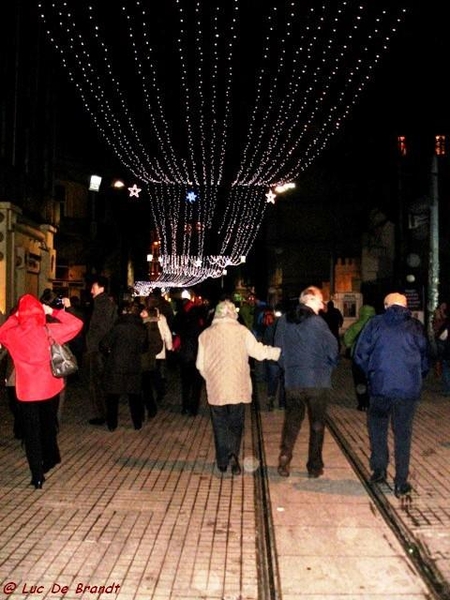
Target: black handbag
column 62, row 360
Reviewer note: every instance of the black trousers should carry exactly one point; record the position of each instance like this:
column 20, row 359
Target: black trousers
column 152, row 390
column 191, row 387
column 315, row 400
column 40, row 427
column 95, row 366
column 136, row 409
column 228, row 425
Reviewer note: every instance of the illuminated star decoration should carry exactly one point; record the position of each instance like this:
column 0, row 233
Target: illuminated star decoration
column 134, row 191
column 270, row 197
column 191, row 197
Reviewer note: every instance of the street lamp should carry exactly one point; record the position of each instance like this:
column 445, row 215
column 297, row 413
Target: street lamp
column 94, row 183
column 94, row 186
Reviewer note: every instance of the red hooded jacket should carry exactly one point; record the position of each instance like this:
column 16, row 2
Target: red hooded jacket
column 25, row 336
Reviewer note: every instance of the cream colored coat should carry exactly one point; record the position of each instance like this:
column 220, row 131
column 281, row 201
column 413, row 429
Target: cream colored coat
column 223, row 352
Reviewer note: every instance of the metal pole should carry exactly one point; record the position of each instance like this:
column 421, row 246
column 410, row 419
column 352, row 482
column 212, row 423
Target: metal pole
column 433, row 272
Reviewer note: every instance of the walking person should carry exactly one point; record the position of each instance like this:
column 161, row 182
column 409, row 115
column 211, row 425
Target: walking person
column 309, row 353
column 393, row 352
column 103, row 317
column 122, row 347
column 273, row 371
column 159, row 339
column 351, row 335
column 187, row 325
column 334, row 319
column 223, row 355
column 26, row 336
column 157, row 300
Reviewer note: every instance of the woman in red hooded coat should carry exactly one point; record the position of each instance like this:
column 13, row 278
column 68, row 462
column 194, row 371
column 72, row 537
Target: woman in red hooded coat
column 25, row 336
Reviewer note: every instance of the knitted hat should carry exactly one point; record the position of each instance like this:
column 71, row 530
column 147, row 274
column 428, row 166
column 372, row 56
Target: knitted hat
column 395, row 298
column 225, row 309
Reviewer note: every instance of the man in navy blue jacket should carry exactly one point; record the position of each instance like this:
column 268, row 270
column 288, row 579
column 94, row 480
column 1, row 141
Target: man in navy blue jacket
column 309, row 352
column 392, row 350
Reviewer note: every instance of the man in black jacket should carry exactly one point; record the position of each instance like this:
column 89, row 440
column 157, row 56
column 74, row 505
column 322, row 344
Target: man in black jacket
column 103, row 317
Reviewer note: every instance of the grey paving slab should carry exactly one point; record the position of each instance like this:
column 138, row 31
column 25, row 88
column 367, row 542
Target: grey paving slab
column 142, row 510
column 147, row 514
column 330, row 537
column 426, row 520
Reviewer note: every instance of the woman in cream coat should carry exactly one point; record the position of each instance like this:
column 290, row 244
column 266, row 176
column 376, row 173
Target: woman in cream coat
column 223, row 361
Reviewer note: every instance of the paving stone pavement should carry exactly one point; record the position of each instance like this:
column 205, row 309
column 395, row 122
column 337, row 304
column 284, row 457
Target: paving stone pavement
column 146, row 515
column 425, row 521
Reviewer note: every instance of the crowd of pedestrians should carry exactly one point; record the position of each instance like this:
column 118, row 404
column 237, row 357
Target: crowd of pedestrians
column 224, row 349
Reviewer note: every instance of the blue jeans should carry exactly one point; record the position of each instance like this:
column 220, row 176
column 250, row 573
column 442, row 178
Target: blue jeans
column 400, row 413
column 228, row 424
column 315, row 400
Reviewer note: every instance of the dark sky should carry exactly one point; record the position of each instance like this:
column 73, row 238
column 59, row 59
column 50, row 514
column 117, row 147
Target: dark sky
column 407, row 92
column 407, row 95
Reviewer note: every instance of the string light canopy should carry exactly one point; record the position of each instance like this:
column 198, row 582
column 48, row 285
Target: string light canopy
column 212, row 105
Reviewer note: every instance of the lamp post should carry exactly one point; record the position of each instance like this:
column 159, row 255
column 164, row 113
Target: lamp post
column 433, row 271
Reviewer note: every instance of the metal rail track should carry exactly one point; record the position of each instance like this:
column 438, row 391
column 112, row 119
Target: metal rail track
column 269, row 585
column 439, row 590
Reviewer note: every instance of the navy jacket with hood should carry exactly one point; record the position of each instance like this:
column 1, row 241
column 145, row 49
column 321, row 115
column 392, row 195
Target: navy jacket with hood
column 392, row 350
column 309, row 351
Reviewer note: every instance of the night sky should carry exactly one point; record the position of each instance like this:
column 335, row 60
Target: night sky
column 407, row 95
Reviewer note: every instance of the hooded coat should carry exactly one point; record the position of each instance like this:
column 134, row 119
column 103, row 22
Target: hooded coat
column 366, row 312
column 309, row 351
column 392, row 351
column 25, row 336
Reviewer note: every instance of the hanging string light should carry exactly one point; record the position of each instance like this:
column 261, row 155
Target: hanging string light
column 210, row 106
